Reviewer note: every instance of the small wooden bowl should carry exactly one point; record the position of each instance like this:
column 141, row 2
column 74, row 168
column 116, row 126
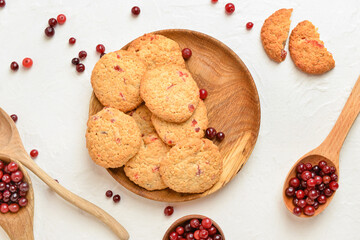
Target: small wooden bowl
column 232, row 103
column 182, row 220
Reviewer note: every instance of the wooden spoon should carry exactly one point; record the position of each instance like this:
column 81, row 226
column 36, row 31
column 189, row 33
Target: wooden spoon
column 329, row 150
column 12, row 148
column 19, row 226
column 182, row 220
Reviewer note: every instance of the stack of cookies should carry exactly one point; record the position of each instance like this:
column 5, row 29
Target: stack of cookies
column 160, row 142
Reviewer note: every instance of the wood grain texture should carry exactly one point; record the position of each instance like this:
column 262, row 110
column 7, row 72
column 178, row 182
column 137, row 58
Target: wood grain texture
column 187, row 218
column 329, row 149
column 11, row 147
column 232, row 103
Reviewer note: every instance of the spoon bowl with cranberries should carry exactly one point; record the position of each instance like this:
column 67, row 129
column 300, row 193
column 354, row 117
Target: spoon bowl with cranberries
column 192, row 227
column 16, row 200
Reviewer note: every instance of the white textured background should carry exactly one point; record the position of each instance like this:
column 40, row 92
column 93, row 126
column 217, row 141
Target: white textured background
column 297, row 112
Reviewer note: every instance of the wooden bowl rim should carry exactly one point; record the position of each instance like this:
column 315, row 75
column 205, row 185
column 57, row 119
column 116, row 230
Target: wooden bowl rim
column 187, row 218
column 255, row 133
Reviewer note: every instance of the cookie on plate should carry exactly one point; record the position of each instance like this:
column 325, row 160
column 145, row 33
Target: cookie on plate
column 308, row 51
column 116, row 80
column 157, row 50
column 172, row 133
column 170, row 93
column 142, row 117
column 192, row 166
column 274, row 33
column 143, row 169
column 112, row 138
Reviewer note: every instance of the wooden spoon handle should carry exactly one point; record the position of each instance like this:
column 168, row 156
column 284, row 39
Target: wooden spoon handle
column 334, row 141
column 81, row 203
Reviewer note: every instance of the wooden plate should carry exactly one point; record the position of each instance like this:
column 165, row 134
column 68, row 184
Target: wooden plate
column 232, row 103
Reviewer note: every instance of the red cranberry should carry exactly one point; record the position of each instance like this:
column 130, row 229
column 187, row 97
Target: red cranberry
column 297, row 211
column 49, row 31
column 316, row 169
column 333, row 186
column 75, row 61
column 17, row 176
column 82, row 55
column 210, row 133
column 306, row 175
column 27, row 62
column 173, row 236
column 214, row 1
column 328, row 192
column 195, row 223
column 303, row 184
column 206, row 223
column 249, row 25
column 14, row 197
column 326, row 169
column 187, row 227
column 334, row 177
column 14, row 207
column 12, row 188
column 52, row 22
column 321, row 173
column 23, row 202
column 197, row 234
column 109, row 193
column 13, row 167
column 6, row 170
column 290, row 191
column 14, row 117
column 322, row 164
column 313, row 194
column 2, row 186
column 2, row 3
column 309, row 201
column 326, row 179
column 295, row 201
column 212, row 230
column 80, row 67
column 300, row 194
column 322, row 186
column 300, row 168
column 318, row 180
column 309, row 210
column 220, row 136
column 61, row 18
column 34, row 153
column 311, row 183
column 186, row 53
column 217, row 237
column 301, row 203
column 189, row 236
column 6, row 178
column 4, row 208
column 100, row 48
column 294, row 182
column 72, row 40
column 2, row 164
column 180, row 230
column 135, row 10
column 14, row 66
column 24, row 187
column 203, row 234
column 322, row 199
column 308, row 166
column 316, row 205
column 229, row 8
column 332, row 169
column 116, row 198
column 169, row 210
column 203, row 94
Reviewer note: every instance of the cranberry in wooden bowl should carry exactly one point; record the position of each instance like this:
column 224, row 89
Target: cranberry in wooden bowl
column 194, row 227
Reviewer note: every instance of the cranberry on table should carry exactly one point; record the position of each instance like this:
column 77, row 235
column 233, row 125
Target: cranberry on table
column 100, row 48
column 14, row 66
column 52, row 22
column 80, row 67
column 75, row 61
column 34, row 153
column 49, row 31
column 72, row 41
column 116, row 198
column 169, row 210
column 135, row 10
column 210, row 133
column 61, row 18
column 186, row 53
column 249, row 25
column 203, row 94
column 2, row 3
column 27, row 62
column 220, row 136
column 214, row 1
column 82, row 55
column 109, row 193
column 229, row 8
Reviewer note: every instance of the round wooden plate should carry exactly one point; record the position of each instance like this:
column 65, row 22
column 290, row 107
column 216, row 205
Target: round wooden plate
column 232, row 103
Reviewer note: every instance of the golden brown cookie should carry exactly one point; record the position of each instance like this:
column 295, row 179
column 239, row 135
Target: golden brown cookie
column 142, row 117
column 170, row 93
column 116, row 80
column 112, row 138
column 192, row 166
column 274, row 33
column 157, row 50
column 308, row 51
column 172, row 133
column 143, row 169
